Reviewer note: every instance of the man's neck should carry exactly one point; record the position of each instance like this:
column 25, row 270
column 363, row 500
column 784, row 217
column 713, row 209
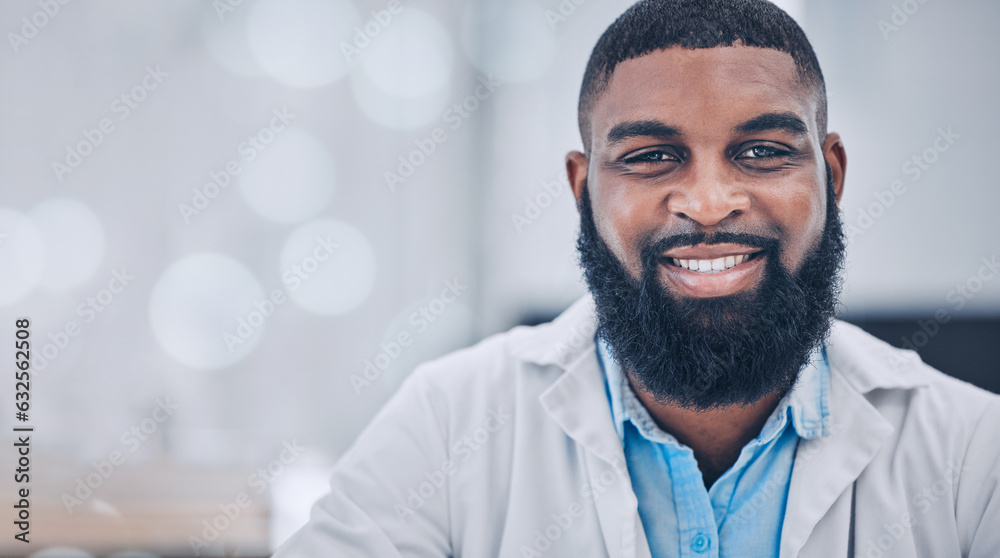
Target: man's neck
column 715, row 435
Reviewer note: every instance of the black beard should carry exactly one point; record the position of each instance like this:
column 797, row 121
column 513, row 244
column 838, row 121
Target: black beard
column 703, row 353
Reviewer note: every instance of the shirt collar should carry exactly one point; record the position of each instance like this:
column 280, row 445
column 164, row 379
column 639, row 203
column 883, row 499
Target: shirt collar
column 807, row 403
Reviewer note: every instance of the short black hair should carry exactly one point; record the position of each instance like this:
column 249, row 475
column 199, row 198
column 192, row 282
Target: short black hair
column 651, row 25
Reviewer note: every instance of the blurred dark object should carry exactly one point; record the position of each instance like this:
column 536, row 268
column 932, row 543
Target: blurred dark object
column 966, row 348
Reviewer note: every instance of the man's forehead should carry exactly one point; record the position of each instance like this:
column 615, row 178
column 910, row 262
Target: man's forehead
column 681, row 85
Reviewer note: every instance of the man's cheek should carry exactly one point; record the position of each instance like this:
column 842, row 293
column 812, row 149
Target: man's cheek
column 791, row 264
column 615, row 243
column 630, row 259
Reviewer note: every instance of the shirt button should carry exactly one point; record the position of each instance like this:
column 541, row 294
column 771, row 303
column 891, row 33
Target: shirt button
column 700, row 543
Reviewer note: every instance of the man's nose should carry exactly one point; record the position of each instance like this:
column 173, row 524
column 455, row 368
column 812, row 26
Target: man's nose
column 708, row 196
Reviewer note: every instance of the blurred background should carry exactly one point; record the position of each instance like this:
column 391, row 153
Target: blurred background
column 221, row 216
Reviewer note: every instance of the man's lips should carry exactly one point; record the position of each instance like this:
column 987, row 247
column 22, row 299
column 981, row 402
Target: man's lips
column 713, row 270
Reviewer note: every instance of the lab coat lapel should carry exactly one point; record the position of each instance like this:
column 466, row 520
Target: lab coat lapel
column 577, row 401
column 826, row 467
column 617, row 509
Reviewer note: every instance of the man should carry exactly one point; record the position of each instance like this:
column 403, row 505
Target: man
column 702, row 401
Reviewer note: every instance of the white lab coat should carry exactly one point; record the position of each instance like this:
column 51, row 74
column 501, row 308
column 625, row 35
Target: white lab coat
column 507, row 449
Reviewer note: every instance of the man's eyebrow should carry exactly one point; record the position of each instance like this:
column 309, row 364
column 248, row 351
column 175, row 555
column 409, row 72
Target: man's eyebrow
column 780, row 121
column 641, row 128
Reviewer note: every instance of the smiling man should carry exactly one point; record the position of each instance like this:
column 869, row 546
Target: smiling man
column 701, row 400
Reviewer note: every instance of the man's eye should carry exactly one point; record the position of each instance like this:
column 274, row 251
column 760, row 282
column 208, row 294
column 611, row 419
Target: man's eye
column 762, row 152
column 651, row 157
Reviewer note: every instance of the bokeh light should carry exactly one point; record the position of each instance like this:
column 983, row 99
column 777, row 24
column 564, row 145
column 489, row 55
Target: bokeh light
column 291, row 180
column 403, row 78
column 22, row 256
column 510, row 39
column 74, row 241
column 334, row 285
column 297, row 42
column 197, row 302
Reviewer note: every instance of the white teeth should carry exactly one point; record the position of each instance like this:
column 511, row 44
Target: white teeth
column 711, row 266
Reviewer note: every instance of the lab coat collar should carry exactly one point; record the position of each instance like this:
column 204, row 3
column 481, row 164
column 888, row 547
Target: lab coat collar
column 867, row 363
column 825, row 466
column 562, row 340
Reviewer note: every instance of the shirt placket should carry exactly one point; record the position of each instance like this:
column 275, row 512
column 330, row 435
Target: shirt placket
column 699, row 535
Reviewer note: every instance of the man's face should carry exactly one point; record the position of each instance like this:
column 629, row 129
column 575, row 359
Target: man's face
column 708, row 140
column 708, row 185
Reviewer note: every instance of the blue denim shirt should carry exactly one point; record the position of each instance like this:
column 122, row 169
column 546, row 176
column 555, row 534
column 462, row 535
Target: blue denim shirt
column 742, row 513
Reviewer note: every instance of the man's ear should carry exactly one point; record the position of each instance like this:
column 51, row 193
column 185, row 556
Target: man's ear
column 576, row 170
column 836, row 157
